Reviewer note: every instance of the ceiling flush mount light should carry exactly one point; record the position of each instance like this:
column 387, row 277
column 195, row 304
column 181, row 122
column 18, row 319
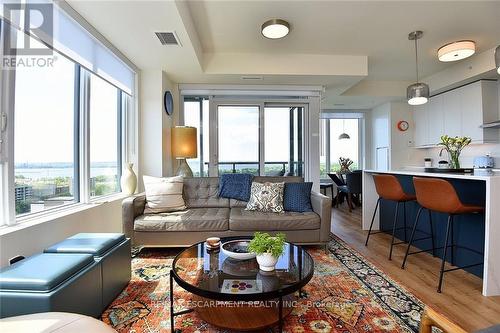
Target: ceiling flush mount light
column 417, row 93
column 456, row 50
column 497, row 58
column 275, row 29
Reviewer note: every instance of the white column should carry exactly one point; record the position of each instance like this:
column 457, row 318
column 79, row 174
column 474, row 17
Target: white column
column 370, row 198
column 491, row 273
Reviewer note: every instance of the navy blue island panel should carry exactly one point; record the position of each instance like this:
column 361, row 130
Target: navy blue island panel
column 469, row 229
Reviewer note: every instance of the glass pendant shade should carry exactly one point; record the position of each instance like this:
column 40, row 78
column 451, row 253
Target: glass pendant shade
column 417, row 94
column 344, row 136
column 497, row 58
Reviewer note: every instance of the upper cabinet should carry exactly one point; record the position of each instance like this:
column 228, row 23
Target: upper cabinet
column 458, row 112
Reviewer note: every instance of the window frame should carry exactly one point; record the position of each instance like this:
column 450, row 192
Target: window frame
column 126, row 122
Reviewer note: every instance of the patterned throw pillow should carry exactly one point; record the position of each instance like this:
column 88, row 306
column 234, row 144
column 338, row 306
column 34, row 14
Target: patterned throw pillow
column 266, row 197
column 297, row 197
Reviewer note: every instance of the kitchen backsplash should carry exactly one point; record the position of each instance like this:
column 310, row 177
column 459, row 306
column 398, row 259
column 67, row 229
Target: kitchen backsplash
column 466, row 158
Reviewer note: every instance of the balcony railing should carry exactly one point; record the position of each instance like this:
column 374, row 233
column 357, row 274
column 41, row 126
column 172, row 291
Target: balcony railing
column 239, row 166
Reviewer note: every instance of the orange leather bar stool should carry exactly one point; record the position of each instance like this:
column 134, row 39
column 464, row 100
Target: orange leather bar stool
column 439, row 195
column 389, row 188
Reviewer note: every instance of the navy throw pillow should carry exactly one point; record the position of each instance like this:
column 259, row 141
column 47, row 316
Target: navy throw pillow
column 297, row 197
column 235, row 186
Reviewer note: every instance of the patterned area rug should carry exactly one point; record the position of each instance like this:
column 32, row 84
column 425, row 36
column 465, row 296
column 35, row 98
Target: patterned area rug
column 347, row 294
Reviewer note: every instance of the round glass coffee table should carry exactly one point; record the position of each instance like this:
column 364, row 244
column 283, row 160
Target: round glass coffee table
column 235, row 294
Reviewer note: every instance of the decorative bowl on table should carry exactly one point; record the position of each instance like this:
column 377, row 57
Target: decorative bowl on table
column 237, row 249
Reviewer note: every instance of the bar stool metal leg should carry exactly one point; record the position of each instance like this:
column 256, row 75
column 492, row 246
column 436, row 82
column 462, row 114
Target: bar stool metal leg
column 441, row 272
column 432, row 233
column 411, row 237
column 404, row 217
column 394, row 229
column 371, row 224
column 452, row 242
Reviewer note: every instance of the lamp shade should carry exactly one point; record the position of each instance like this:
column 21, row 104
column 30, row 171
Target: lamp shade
column 417, row 93
column 456, row 50
column 184, row 142
column 497, row 58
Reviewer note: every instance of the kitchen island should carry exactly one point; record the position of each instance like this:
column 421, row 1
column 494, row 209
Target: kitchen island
column 479, row 231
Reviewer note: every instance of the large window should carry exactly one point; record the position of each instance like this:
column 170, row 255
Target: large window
column 68, row 131
column 334, row 146
column 105, row 137
column 44, row 138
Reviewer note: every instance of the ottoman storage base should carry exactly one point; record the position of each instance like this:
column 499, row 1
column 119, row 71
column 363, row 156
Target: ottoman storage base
column 111, row 251
column 51, row 282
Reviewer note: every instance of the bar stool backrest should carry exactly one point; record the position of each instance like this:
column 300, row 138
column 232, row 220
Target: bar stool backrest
column 436, row 194
column 388, row 187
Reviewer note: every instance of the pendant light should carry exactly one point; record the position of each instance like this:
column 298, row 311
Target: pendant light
column 497, row 58
column 417, row 93
column 344, row 135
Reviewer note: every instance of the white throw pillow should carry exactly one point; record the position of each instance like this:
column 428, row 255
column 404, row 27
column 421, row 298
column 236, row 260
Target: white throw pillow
column 266, row 197
column 163, row 194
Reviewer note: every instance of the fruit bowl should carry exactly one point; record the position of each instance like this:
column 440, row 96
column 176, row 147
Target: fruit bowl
column 237, row 249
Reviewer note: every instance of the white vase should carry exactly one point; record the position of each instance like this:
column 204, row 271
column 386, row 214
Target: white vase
column 128, row 180
column 266, row 262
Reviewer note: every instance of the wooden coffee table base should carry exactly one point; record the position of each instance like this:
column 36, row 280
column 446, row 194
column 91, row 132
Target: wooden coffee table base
column 240, row 317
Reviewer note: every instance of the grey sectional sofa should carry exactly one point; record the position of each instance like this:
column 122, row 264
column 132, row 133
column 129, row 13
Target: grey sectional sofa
column 209, row 215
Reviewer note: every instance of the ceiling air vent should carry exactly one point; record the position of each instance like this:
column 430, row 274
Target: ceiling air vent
column 167, row 38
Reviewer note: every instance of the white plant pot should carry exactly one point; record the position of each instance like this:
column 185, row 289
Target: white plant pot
column 266, row 262
column 128, row 180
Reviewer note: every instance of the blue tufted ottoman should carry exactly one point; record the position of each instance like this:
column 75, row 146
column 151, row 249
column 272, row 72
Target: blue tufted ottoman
column 51, row 282
column 112, row 253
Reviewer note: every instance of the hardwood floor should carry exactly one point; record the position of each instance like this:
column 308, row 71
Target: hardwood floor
column 461, row 300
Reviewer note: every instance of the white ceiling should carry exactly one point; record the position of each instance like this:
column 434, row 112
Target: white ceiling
column 218, row 34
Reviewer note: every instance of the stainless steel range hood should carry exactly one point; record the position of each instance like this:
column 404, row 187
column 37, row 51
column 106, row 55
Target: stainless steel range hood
column 493, row 124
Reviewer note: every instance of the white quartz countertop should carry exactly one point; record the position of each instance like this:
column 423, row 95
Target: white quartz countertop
column 481, row 175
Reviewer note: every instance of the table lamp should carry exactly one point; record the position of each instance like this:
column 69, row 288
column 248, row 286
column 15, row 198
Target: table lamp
column 184, row 145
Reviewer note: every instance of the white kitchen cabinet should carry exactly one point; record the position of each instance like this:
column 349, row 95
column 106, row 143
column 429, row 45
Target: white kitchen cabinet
column 452, row 112
column 458, row 112
column 479, row 104
column 435, row 113
column 421, row 120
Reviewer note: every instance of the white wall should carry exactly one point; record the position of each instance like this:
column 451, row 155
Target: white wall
column 27, row 240
column 387, row 142
column 380, row 135
column 155, row 125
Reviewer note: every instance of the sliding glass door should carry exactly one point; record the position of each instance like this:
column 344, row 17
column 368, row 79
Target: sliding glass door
column 283, row 141
column 247, row 137
column 238, row 139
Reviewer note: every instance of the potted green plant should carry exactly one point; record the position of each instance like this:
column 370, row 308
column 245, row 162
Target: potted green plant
column 454, row 146
column 268, row 249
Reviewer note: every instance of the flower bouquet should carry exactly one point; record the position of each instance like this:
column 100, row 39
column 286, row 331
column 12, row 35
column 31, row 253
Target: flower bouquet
column 454, row 147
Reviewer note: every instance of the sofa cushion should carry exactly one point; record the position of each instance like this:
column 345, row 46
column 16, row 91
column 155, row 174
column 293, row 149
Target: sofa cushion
column 266, row 197
column 163, row 194
column 297, row 197
column 203, row 192
column 193, row 219
column 235, row 186
column 43, row 271
column 245, row 220
column 93, row 243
